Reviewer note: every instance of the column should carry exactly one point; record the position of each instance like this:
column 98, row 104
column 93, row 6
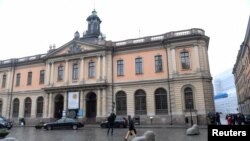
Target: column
column 83, row 103
column 82, row 72
column 52, row 74
column 33, row 108
column 47, row 74
column 98, row 103
column 66, row 80
column 104, row 67
column 104, row 103
column 9, row 79
column 196, row 58
column 173, row 60
column 98, row 68
column 169, row 62
column 21, row 108
column 46, row 106
column 81, row 99
column 50, row 114
column 65, row 99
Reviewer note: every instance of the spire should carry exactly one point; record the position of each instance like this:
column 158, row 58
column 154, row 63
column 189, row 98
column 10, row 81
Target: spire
column 93, row 31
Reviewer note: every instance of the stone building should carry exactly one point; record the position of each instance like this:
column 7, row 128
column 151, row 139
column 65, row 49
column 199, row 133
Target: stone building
column 165, row 76
column 241, row 73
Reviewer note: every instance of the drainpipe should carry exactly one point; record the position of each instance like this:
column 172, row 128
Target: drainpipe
column 13, row 65
column 112, row 83
column 170, row 105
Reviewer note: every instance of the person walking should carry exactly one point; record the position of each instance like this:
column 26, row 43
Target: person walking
column 218, row 118
column 131, row 129
column 111, row 121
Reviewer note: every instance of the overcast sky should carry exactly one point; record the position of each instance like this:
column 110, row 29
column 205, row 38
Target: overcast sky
column 28, row 27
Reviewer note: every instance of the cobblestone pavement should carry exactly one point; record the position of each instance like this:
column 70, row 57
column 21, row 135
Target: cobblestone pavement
column 98, row 134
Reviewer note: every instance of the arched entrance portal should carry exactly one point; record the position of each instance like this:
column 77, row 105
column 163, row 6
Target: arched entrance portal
column 58, row 106
column 91, row 105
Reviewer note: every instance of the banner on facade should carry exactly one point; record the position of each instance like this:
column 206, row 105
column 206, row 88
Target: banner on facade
column 73, row 100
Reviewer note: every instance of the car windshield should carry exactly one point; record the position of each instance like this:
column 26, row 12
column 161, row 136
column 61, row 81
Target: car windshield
column 61, row 120
column 69, row 120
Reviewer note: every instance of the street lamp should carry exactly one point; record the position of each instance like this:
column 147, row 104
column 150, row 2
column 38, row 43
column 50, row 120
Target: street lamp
column 190, row 108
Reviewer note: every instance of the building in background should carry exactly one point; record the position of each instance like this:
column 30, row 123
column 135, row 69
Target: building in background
column 241, row 73
column 225, row 97
column 165, row 76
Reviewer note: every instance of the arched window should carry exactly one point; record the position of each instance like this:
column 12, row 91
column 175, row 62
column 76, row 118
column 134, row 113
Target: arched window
column 15, row 107
column 39, row 108
column 1, row 106
column 161, row 104
column 121, row 103
column 189, row 100
column 140, row 103
column 27, row 107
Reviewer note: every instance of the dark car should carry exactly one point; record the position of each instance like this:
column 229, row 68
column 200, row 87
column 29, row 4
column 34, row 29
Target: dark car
column 120, row 122
column 63, row 123
column 247, row 119
column 4, row 123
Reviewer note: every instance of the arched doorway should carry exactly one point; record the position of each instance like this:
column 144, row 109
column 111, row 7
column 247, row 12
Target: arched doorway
column 58, row 106
column 91, row 105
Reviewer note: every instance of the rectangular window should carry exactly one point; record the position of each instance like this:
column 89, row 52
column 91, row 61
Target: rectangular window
column 18, row 77
column 42, row 76
column 158, row 63
column 185, row 63
column 91, row 69
column 138, row 66
column 120, row 68
column 60, row 73
column 75, row 72
column 4, row 81
column 29, row 78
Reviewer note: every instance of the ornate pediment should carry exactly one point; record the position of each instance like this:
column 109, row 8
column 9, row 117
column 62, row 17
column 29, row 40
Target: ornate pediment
column 74, row 49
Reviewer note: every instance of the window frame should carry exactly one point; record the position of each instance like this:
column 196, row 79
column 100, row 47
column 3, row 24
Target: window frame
column 158, row 63
column 60, row 73
column 18, row 79
column 120, row 67
column 29, row 79
column 138, row 65
column 91, row 69
column 185, row 60
column 42, row 77
column 4, row 79
column 189, row 98
column 75, row 71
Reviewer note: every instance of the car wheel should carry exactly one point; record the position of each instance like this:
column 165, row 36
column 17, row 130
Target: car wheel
column 103, row 126
column 74, row 127
column 49, row 128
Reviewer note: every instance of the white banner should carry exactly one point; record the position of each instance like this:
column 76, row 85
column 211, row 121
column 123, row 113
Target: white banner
column 73, row 100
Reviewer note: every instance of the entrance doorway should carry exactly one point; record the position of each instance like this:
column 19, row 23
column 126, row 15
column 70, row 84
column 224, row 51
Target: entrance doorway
column 58, row 106
column 91, row 105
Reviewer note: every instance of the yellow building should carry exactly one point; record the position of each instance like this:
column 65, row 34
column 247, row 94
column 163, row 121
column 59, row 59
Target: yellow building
column 241, row 73
column 165, row 76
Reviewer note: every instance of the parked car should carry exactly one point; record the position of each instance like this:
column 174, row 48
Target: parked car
column 4, row 123
column 64, row 123
column 247, row 119
column 120, row 122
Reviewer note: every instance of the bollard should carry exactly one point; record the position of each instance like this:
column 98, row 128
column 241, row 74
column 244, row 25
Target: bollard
column 194, row 130
column 147, row 136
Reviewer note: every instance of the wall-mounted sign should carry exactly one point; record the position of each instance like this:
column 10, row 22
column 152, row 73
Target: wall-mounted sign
column 73, row 100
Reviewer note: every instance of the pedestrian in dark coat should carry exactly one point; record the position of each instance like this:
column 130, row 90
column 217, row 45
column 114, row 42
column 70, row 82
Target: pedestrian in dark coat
column 131, row 128
column 111, row 121
column 218, row 118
